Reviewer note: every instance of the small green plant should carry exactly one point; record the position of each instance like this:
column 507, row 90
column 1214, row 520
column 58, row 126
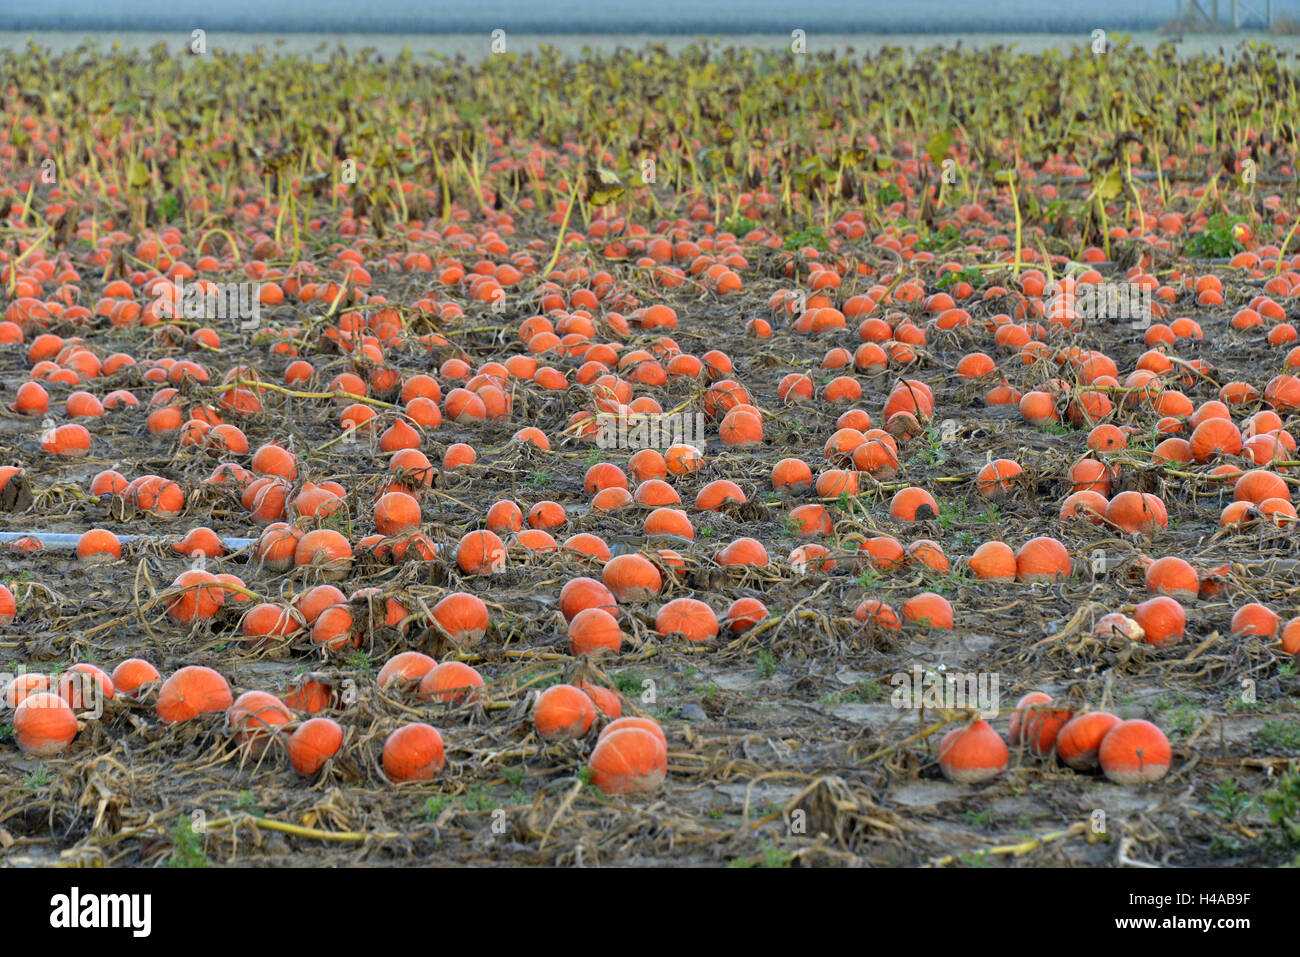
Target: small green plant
column 434, row 806
column 478, row 798
column 629, row 682
column 246, row 802
column 740, row 226
column 539, row 477
column 971, row 275
column 38, row 778
column 951, row 511
column 6, row 731
column 772, row 856
column 360, row 661
column 1239, row 706
column 766, row 664
column 869, row 579
column 807, row 237
column 931, row 451
column 1215, row 241
column 1223, row 846
column 338, row 520
column 940, row 239
column 864, row 692
column 705, row 691
column 187, row 846
column 888, row 194
column 1283, row 804
column 169, row 209
column 1280, row 735
column 978, row 818
column 1183, row 721
column 1228, row 800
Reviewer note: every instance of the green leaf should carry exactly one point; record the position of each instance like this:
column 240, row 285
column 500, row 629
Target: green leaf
column 937, row 146
column 889, row 193
column 1110, row 185
column 807, row 237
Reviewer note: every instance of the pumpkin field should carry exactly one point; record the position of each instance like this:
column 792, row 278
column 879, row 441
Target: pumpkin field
column 737, row 457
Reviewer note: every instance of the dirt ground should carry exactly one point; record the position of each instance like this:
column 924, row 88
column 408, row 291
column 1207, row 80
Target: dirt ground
column 786, row 743
column 785, row 747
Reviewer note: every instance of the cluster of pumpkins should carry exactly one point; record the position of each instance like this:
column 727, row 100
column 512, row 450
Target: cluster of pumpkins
column 630, row 755
column 1128, row 752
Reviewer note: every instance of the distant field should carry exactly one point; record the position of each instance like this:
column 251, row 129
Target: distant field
column 476, row 47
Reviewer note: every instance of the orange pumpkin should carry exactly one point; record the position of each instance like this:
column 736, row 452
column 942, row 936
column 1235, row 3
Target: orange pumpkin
column 1174, row 577
column 405, row 670
column 628, row 759
column 928, row 610
column 453, row 683
column 1163, row 620
column 463, row 618
column 973, row 754
column 1079, row 741
column 563, row 712
column 1135, row 752
column 44, row 724
column 191, row 691
column 1014, row 731
column 688, row 617
column 315, row 742
column 593, row 631
column 1042, row 559
column 133, row 676
column 632, row 577
column 581, row 593
column 994, row 562
column 414, row 752
column 256, row 715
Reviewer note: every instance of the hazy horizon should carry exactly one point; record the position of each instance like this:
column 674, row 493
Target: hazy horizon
column 592, row 17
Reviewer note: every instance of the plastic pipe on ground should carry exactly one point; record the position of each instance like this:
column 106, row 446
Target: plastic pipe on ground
column 61, row 541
